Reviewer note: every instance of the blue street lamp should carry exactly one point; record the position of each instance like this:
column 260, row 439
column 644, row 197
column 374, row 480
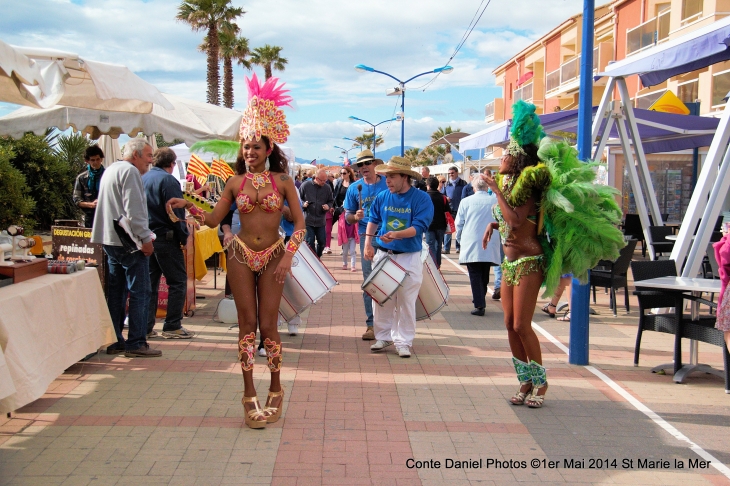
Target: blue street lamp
column 365, row 121
column 345, row 151
column 401, row 90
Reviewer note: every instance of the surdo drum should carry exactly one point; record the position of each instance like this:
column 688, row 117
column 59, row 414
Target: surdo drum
column 384, row 280
column 308, row 282
column 434, row 291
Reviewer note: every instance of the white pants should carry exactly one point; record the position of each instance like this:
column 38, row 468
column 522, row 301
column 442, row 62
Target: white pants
column 348, row 249
column 395, row 320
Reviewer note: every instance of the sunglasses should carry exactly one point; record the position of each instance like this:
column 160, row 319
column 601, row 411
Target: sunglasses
column 343, row 173
column 368, row 163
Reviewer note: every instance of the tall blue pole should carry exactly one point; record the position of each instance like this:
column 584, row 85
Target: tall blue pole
column 403, row 122
column 580, row 294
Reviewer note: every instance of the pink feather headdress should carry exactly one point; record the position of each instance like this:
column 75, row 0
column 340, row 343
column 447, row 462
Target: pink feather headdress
column 263, row 117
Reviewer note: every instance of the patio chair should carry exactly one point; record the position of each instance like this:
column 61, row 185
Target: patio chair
column 632, row 227
column 613, row 275
column 659, row 240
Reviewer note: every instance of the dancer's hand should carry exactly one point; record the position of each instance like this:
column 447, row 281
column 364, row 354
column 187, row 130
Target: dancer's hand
column 491, row 182
column 487, row 236
column 283, row 268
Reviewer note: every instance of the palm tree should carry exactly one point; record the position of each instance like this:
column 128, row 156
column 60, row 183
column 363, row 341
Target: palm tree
column 232, row 47
column 412, row 154
column 210, row 15
column 442, row 132
column 268, row 58
column 366, row 140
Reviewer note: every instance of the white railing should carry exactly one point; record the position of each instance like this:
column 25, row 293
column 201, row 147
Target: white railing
column 524, row 93
column 489, row 110
column 647, row 34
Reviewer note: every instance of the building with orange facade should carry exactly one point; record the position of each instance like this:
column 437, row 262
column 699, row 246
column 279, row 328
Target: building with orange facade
column 546, row 73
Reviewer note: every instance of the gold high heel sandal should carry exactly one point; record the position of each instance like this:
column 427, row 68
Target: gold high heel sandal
column 520, row 396
column 254, row 416
column 273, row 413
column 535, row 400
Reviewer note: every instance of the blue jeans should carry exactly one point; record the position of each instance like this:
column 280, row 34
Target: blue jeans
column 367, row 268
column 319, row 234
column 128, row 272
column 167, row 260
column 434, row 240
column 498, row 270
column 447, row 241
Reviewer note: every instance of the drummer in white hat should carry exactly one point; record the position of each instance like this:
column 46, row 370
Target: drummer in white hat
column 398, row 219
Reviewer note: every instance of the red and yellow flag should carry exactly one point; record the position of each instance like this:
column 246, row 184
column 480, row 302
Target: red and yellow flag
column 198, row 168
column 221, row 169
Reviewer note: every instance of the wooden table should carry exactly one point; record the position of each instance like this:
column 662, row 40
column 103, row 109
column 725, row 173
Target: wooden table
column 697, row 286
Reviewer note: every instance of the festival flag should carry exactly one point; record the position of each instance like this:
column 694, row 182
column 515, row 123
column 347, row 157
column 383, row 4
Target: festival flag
column 221, row 169
column 198, row 168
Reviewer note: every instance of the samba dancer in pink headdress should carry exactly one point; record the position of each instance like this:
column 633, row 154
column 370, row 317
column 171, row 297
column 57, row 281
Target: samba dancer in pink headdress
column 258, row 258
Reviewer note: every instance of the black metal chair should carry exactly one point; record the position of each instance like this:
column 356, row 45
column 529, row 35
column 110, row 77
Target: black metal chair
column 650, row 299
column 659, row 240
column 632, row 227
column 613, row 275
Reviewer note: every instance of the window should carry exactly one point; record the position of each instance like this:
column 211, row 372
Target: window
column 691, row 10
column 688, row 92
column 645, row 101
column 720, row 87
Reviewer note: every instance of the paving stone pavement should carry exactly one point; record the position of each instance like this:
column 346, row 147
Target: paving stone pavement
column 355, row 417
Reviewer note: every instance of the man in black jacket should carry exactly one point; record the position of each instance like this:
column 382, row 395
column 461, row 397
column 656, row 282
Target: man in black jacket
column 317, row 200
column 452, row 189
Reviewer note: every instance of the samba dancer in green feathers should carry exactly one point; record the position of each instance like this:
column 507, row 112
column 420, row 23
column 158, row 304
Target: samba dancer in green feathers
column 519, row 187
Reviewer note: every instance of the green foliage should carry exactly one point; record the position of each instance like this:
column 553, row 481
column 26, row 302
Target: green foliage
column 269, row 58
column 16, row 205
column 366, row 141
column 162, row 143
column 49, row 178
column 70, row 150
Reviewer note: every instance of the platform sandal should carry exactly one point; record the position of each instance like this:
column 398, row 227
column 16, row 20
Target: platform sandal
column 546, row 309
column 273, row 413
column 524, row 375
column 539, row 381
column 255, row 418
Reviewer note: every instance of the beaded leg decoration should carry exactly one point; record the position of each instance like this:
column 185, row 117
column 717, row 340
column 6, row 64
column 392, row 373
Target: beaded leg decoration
column 539, row 380
column 247, row 351
column 524, row 375
column 273, row 354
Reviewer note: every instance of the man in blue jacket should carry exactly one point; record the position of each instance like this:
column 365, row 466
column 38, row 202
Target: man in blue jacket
column 398, row 219
column 452, row 189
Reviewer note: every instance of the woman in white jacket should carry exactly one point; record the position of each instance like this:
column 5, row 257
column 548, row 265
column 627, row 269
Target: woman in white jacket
column 475, row 213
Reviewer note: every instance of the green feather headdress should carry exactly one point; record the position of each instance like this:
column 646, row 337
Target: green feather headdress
column 526, row 128
column 224, row 149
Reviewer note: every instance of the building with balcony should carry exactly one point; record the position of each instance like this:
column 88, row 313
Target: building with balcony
column 546, row 73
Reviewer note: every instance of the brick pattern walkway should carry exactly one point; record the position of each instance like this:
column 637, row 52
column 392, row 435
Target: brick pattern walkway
column 354, row 417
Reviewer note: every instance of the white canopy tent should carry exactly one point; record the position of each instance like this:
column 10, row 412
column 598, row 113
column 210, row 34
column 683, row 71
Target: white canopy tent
column 690, row 52
column 189, row 120
column 46, row 77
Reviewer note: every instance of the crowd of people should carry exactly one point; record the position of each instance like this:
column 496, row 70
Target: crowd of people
column 388, row 209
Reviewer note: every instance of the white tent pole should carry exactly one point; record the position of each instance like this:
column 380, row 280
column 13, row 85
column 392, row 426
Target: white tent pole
column 604, row 137
column 705, row 181
column 639, row 151
column 603, row 108
column 635, row 184
column 698, row 247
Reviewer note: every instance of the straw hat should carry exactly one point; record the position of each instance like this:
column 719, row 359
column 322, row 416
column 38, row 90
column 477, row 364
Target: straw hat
column 364, row 156
column 398, row 165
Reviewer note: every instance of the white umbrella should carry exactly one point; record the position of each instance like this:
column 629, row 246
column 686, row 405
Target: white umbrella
column 46, row 77
column 190, row 121
column 110, row 147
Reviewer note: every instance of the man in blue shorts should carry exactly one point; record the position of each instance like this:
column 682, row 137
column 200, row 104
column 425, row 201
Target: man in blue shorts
column 398, row 219
column 357, row 211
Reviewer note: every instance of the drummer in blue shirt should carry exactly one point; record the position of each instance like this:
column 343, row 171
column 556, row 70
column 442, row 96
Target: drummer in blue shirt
column 357, row 211
column 400, row 216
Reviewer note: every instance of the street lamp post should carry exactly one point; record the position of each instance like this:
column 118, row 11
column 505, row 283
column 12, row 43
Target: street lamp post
column 345, row 151
column 401, row 90
column 377, row 124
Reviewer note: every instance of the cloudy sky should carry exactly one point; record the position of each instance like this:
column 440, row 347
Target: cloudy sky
column 323, row 41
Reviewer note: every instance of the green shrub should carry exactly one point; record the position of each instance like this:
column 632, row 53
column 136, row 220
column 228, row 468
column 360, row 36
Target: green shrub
column 16, row 205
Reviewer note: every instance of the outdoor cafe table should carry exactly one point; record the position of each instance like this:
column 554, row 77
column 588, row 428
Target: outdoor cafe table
column 697, row 286
column 47, row 324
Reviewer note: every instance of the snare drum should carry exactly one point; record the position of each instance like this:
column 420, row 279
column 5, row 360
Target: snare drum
column 309, row 281
column 384, row 280
column 434, row 292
